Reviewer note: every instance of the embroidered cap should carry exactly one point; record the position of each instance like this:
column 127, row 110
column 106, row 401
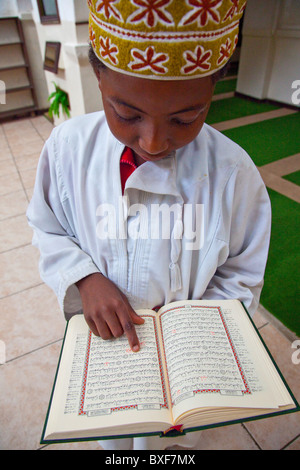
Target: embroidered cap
column 165, row 39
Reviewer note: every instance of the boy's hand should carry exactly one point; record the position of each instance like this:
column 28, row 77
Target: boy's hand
column 107, row 310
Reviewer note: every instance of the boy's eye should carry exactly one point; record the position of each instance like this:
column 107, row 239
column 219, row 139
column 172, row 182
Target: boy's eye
column 189, row 118
column 181, row 122
column 125, row 118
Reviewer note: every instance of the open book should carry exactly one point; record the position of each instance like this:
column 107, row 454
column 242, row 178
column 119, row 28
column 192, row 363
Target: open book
column 201, row 364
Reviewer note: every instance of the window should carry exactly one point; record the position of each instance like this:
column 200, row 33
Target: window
column 48, row 10
column 52, row 51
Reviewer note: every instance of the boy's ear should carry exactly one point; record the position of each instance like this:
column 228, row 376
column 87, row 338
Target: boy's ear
column 98, row 76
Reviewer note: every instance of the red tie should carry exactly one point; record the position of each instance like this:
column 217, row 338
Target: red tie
column 127, row 166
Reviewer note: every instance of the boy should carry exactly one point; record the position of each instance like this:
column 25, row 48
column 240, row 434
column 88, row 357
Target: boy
column 101, row 177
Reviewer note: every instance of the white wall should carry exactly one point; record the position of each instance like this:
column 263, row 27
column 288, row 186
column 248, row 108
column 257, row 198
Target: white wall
column 75, row 75
column 270, row 53
column 23, row 9
column 8, row 8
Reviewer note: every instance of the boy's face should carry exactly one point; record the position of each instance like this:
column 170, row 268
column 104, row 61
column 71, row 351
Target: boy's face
column 153, row 117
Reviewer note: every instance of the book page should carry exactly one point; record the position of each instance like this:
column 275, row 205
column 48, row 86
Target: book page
column 104, row 383
column 212, row 358
column 115, row 378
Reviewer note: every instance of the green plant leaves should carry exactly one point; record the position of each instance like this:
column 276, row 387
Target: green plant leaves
column 60, row 100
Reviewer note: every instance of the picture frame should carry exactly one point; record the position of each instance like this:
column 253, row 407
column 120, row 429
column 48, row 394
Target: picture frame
column 48, row 10
column 52, row 53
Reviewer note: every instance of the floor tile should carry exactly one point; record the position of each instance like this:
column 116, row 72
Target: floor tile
column 30, row 320
column 7, row 167
column 32, row 148
column 92, row 445
column 29, row 193
column 295, row 445
column 28, row 177
column 18, row 129
column 18, row 125
column 25, row 386
column 232, row 437
column 14, row 232
column 282, row 351
column 5, row 152
column 276, row 433
column 25, row 139
column 13, row 204
column 258, row 319
column 10, row 183
column 43, row 126
column 19, row 270
column 268, row 318
column 29, row 162
column 21, row 136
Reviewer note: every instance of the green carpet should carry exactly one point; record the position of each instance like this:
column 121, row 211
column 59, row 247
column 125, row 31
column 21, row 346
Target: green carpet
column 269, row 140
column 225, row 86
column 293, row 177
column 266, row 142
column 280, row 294
column 233, row 108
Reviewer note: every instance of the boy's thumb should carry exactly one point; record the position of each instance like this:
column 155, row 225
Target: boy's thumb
column 137, row 320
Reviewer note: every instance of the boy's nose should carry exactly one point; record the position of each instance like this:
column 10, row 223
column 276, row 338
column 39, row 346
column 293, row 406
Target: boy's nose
column 153, row 140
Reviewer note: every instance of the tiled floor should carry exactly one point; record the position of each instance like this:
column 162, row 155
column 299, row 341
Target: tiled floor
column 32, row 327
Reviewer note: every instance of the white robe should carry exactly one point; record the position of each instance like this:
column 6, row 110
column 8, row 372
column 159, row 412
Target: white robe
column 82, row 225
